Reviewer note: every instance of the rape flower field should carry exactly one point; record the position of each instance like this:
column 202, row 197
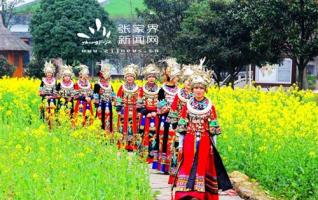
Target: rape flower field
column 36, row 163
column 270, row 136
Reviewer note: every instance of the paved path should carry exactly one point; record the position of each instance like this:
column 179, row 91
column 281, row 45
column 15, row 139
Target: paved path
column 162, row 189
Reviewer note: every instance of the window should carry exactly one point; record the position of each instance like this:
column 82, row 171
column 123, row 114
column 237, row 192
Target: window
column 310, row 69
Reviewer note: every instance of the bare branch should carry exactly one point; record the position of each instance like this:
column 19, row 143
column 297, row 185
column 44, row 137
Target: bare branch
column 7, row 9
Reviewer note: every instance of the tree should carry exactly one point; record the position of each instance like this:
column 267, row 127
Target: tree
column 55, row 26
column 168, row 14
column 214, row 29
column 286, row 28
column 7, row 10
column 5, row 68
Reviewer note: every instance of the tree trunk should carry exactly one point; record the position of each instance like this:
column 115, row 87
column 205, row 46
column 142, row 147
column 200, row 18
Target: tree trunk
column 305, row 80
column 247, row 74
column 301, row 70
column 232, row 79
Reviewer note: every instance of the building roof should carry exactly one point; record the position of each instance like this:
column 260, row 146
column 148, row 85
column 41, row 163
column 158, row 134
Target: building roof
column 10, row 42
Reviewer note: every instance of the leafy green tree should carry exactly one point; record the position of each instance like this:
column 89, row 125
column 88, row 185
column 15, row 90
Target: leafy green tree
column 168, row 14
column 285, row 28
column 5, row 68
column 55, row 26
column 213, row 29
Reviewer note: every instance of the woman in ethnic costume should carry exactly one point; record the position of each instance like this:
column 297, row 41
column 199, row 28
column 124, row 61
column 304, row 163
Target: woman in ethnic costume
column 179, row 101
column 201, row 173
column 126, row 107
column 104, row 96
column 147, row 106
column 48, row 93
column 83, row 97
column 165, row 97
column 65, row 90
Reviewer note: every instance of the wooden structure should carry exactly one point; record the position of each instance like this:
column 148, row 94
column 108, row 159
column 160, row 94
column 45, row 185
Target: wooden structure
column 12, row 48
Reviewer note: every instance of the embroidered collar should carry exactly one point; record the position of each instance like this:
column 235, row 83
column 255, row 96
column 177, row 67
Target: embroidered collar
column 108, row 87
column 194, row 110
column 170, row 90
column 133, row 88
column 88, row 86
column 49, row 83
column 183, row 96
column 151, row 92
column 67, row 86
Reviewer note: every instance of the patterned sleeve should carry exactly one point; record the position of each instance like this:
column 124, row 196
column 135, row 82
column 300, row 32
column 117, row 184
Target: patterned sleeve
column 73, row 92
column 173, row 113
column 140, row 100
column 183, row 121
column 141, row 104
column 76, row 92
column 213, row 123
column 119, row 98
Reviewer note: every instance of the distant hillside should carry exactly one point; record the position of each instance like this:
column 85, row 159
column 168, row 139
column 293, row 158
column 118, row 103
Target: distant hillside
column 115, row 8
column 122, row 8
column 28, row 8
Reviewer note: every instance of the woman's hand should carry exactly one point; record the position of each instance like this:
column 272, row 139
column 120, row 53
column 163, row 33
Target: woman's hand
column 215, row 130
column 153, row 114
